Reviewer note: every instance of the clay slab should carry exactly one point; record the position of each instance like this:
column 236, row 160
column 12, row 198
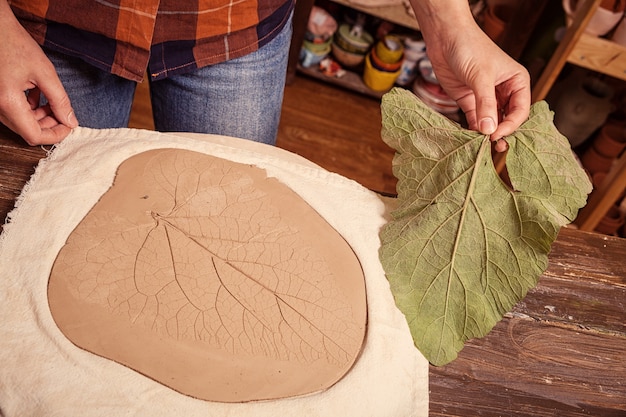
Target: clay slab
column 212, row 279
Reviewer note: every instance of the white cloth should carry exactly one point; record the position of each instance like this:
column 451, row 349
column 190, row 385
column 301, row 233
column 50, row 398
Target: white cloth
column 44, row 374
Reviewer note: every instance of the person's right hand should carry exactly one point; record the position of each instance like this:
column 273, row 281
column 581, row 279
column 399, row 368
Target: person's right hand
column 25, row 73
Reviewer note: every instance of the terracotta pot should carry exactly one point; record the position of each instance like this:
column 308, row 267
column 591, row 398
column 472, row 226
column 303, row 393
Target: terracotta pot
column 597, row 179
column 611, row 222
column 610, row 140
column 582, row 108
column 495, row 18
column 594, row 162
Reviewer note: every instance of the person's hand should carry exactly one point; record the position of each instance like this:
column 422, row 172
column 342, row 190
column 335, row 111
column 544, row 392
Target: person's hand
column 491, row 88
column 25, row 73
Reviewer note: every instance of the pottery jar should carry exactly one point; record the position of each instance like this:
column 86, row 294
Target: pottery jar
column 619, row 35
column 594, row 162
column 414, row 50
column 376, row 79
column 390, row 49
column 610, row 140
column 582, row 108
column 495, row 18
column 611, row 222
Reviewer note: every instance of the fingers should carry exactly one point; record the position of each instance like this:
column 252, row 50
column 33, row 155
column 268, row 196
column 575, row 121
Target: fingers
column 37, row 126
column 516, row 113
column 500, row 110
column 41, row 125
column 59, row 103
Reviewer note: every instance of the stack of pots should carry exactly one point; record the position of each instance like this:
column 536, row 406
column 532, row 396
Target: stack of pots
column 606, row 146
column 427, row 88
column 383, row 63
column 318, row 37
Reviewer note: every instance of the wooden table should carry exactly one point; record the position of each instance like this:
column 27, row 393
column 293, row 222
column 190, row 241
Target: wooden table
column 560, row 352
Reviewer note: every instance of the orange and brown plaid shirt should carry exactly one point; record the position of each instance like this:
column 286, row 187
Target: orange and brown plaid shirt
column 162, row 37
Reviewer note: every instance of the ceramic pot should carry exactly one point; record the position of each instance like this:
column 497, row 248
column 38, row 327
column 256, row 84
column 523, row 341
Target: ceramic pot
column 606, row 17
column 611, row 222
column 376, row 79
column 619, row 35
column 495, row 18
column 582, row 108
column 346, row 58
column 610, row 140
column 390, row 49
column 594, row 162
column 414, row 50
column 597, row 179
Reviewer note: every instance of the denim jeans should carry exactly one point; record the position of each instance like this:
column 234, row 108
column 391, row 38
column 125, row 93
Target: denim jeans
column 241, row 97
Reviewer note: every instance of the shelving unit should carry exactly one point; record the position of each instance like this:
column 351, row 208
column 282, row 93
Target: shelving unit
column 514, row 39
column 395, row 13
column 602, row 56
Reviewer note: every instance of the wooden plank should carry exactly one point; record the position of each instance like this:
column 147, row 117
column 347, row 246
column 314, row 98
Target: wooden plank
column 584, row 285
column 599, row 54
column 530, row 368
column 17, row 164
column 561, row 348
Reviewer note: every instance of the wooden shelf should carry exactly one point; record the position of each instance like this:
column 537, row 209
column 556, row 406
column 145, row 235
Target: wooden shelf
column 600, row 55
column 350, row 80
column 394, row 13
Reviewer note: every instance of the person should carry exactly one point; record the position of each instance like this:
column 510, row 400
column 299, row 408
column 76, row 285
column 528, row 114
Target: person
column 216, row 70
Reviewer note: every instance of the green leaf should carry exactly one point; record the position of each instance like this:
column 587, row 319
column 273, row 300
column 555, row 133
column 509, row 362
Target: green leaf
column 462, row 248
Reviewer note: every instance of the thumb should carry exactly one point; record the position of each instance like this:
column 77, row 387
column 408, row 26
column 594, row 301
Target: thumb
column 59, row 103
column 486, row 107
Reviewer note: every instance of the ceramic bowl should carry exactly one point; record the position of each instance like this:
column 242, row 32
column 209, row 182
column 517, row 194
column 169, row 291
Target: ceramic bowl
column 358, row 42
column 346, row 58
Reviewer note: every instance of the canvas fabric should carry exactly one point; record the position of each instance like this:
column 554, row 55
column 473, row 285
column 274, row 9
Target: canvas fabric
column 44, row 374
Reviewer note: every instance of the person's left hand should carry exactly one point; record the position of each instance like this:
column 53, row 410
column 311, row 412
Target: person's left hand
column 491, row 88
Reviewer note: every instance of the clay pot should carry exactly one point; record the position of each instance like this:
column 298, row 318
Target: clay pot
column 595, row 162
column 610, row 140
column 582, row 108
column 597, row 179
column 611, row 222
column 495, row 18
column 619, row 35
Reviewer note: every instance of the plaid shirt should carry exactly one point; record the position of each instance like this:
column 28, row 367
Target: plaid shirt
column 163, row 37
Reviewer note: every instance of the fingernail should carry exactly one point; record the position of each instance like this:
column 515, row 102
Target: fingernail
column 487, row 126
column 71, row 119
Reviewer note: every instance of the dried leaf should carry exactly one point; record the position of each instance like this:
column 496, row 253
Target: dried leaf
column 206, row 275
column 462, row 248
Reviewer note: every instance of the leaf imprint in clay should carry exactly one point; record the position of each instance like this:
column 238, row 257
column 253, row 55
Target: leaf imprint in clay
column 212, row 279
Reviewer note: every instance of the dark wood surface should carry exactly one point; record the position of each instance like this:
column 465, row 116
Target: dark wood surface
column 559, row 352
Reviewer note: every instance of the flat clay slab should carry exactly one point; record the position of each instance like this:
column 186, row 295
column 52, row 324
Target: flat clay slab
column 212, row 279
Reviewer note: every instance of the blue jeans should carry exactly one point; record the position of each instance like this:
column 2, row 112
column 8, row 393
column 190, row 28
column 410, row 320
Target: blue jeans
column 241, row 97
